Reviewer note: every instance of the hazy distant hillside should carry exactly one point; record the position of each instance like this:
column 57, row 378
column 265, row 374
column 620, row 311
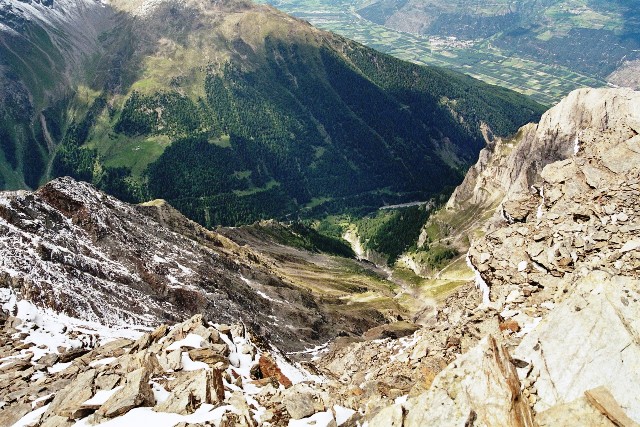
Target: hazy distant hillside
column 594, row 37
column 231, row 111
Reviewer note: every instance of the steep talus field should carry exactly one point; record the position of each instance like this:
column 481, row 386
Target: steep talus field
column 235, row 112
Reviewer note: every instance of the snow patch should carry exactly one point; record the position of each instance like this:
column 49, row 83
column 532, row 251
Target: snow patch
column 505, row 215
column 58, row 367
column 102, row 362
column 148, row 417
column 190, row 341
column 295, row 372
column 51, row 330
column 522, row 266
column 315, row 352
column 528, row 327
column 40, row 399
column 101, row 397
column 402, row 399
column 11, row 31
column 158, row 259
column 259, row 292
column 480, row 282
column 159, row 392
column 320, row 419
column 539, row 211
column 267, row 297
column 342, row 414
column 190, row 365
column 31, row 418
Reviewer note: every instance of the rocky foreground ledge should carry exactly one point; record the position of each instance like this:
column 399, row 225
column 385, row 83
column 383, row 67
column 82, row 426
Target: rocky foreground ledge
column 189, row 374
column 553, row 340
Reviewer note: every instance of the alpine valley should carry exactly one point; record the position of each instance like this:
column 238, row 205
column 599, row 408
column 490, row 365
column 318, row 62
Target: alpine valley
column 210, row 219
column 231, row 111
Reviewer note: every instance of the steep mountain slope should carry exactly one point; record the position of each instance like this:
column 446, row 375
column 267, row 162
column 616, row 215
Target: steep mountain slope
column 73, row 249
column 44, row 50
column 234, row 112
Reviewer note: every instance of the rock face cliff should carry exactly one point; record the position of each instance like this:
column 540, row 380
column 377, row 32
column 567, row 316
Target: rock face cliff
column 509, row 169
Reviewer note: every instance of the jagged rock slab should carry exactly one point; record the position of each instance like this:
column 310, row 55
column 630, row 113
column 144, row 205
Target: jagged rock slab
column 577, row 413
column 136, row 392
column 589, row 340
column 480, row 388
column 132, row 385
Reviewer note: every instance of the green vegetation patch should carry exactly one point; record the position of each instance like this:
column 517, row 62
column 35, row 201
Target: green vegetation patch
column 392, row 232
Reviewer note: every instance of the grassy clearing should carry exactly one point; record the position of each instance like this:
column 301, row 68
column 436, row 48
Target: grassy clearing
column 268, row 186
column 136, row 153
column 224, row 141
column 118, row 150
column 438, row 288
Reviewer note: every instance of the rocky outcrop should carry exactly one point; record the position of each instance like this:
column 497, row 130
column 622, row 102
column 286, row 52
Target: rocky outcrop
column 481, row 388
column 136, row 392
column 589, row 340
column 124, row 379
column 562, row 267
column 559, row 266
column 508, row 168
column 508, row 174
column 193, row 389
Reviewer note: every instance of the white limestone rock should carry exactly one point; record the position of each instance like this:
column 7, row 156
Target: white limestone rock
column 589, row 340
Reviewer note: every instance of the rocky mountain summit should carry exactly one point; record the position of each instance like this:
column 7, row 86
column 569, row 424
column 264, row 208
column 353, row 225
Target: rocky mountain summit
column 546, row 336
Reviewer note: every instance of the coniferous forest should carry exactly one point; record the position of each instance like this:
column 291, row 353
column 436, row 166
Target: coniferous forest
column 309, row 132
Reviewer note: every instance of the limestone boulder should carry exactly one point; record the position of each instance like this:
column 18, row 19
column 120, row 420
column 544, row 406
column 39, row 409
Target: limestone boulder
column 171, row 361
column 302, row 401
column 211, row 355
column 589, row 340
column 69, row 400
column 12, row 414
column 480, row 387
column 269, row 368
column 136, row 392
column 576, row 413
column 391, row 416
column 193, row 389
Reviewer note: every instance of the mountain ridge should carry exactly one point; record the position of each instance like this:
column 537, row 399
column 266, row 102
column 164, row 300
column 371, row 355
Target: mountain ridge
column 147, row 264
